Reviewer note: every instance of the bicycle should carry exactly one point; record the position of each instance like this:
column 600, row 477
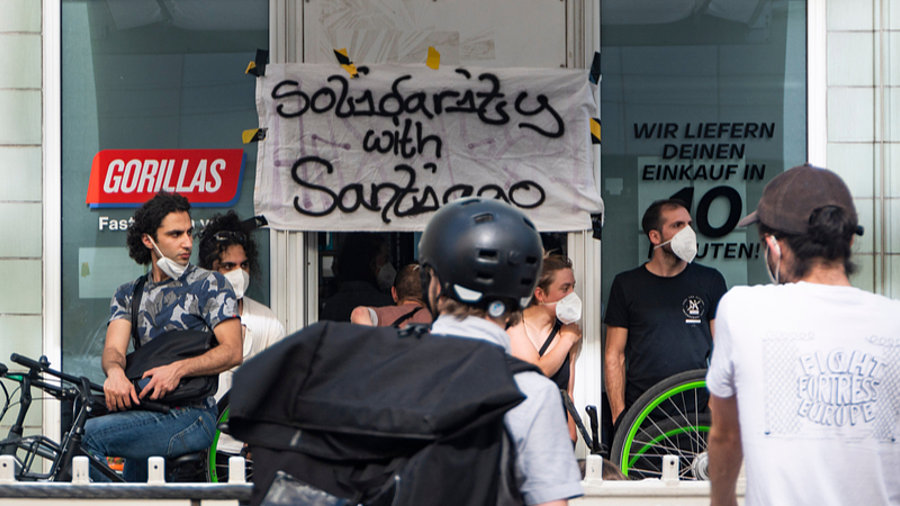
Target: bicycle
column 208, row 465
column 671, row 418
column 216, row 457
column 27, row 449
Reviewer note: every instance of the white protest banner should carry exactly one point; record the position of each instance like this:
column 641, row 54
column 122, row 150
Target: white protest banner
column 383, row 151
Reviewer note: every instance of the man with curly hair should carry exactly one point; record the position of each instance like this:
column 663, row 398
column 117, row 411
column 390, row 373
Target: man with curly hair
column 175, row 296
column 227, row 247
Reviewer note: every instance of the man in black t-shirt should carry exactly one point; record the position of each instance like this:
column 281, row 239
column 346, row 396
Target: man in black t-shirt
column 659, row 316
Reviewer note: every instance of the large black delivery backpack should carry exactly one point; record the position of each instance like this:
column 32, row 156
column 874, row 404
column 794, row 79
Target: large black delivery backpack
column 377, row 415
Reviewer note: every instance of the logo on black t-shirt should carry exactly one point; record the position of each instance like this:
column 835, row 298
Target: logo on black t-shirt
column 693, row 308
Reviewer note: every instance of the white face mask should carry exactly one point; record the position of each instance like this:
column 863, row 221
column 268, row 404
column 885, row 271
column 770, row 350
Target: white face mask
column 170, row 267
column 773, row 277
column 240, row 281
column 568, row 308
column 684, row 244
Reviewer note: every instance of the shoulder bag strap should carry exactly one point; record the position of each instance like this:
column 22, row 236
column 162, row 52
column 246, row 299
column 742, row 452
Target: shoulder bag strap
column 136, row 297
column 405, row 317
column 556, row 326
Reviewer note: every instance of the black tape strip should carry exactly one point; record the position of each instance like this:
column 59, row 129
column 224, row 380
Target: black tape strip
column 262, row 59
column 595, row 68
column 258, row 68
column 597, row 226
column 342, row 59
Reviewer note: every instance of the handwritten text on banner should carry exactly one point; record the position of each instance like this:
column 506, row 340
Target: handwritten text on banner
column 386, row 150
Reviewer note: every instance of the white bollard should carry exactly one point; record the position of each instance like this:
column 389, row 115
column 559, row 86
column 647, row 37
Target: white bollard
column 670, row 468
column 593, row 471
column 236, row 470
column 7, row 469
column 80, row 467
column 156, row 470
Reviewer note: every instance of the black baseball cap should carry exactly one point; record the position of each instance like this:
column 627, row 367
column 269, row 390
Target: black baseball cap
column 791, row 197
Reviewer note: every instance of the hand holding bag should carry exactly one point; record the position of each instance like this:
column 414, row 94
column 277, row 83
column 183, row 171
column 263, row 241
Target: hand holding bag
column 165, row 349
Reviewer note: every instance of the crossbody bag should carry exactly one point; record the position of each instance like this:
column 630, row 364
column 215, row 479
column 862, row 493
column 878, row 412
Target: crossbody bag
column 166, row 348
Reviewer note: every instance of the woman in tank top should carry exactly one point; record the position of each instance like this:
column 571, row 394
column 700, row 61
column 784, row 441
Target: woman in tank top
column 540, row 337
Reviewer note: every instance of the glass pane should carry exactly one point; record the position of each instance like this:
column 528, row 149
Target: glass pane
column 708, row 104
column 142, row 74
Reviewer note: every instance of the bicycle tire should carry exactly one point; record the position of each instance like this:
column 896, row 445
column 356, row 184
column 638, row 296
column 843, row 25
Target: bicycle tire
column 216, row 459
column 678, row 403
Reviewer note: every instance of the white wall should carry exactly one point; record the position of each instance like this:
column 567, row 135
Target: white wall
column 21, row 191
column 862, row 110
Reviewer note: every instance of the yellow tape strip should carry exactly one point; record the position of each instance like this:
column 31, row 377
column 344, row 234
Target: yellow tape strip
column 344, row 60
column 251, row 135
column 434, row 58
column 250, row 66
column 595, row 130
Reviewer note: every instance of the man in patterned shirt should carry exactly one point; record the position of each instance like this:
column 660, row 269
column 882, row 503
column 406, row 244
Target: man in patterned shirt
column 176, row 296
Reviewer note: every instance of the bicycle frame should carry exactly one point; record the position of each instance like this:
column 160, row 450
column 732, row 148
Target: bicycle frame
column 61, row 454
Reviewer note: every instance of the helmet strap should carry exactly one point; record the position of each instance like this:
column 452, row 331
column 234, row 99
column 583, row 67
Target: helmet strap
column 425, row 279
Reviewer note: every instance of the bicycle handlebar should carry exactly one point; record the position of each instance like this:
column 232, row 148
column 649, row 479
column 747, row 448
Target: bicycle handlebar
column 44, row 366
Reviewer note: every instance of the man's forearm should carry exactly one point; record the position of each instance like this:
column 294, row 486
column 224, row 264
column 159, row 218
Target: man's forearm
column 615, row 386
column 725, row 457
column 725, row 451
column 218, row 359
column 112, row 359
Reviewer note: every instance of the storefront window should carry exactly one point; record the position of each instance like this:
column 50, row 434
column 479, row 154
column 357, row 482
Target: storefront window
column 702, row 100
column 146, row 75
column 379, row 255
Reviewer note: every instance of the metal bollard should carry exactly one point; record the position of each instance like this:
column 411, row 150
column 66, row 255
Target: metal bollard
column 236, row 470
column 670, row 468
column 7, row 469
column 156, row 470
column 80, row 467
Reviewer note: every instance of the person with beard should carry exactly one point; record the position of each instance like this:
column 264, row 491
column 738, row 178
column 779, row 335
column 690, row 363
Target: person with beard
column 659, row 317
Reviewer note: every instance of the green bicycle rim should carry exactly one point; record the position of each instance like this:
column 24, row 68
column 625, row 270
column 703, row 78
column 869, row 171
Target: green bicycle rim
column 679, row 430
column 626, row 447
column 211, row 460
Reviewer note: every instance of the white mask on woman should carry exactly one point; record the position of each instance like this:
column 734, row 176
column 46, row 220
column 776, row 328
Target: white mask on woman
column 568, row 308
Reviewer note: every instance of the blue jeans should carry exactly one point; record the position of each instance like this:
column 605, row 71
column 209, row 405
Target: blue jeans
column 137, row 435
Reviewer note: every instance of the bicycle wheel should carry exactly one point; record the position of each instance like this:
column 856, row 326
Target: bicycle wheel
column 671, row 418
column 217, row 458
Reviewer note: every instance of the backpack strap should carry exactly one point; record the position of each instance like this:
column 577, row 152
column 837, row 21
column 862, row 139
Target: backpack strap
column 136, row 297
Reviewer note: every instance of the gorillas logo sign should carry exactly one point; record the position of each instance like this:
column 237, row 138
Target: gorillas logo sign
column 128, row 178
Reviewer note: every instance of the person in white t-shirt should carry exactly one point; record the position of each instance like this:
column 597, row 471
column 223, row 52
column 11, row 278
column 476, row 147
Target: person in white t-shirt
column 227, row 246
column 805, row 373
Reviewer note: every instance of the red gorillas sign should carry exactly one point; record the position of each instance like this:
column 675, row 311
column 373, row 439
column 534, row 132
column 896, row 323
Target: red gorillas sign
column 130, row 177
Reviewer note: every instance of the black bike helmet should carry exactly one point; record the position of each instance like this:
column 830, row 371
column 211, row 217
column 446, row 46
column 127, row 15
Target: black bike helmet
column 483, row 251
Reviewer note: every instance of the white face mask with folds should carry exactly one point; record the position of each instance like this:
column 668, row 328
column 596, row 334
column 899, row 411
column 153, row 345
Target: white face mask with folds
column 240, row 281
column 684, row 244
column 170, row 267
column 568, row 308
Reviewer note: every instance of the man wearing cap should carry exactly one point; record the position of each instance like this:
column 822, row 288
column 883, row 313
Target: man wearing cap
column 805, row 374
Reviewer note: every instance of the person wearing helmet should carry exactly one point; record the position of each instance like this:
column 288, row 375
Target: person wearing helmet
column 480, row 263
column 805, row 373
